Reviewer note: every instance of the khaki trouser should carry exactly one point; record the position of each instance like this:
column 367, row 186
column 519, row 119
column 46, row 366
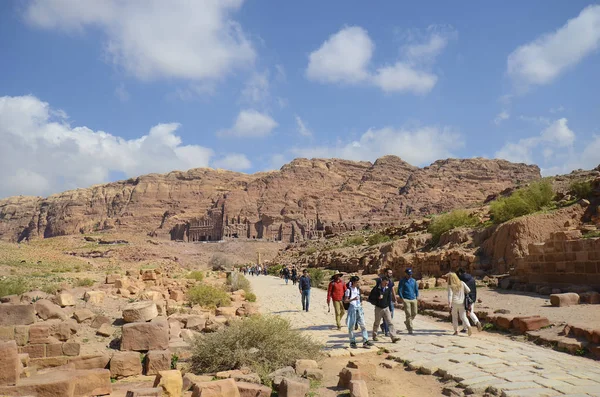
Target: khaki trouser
column 410, row 311
column 338, row 307
column 383, row 312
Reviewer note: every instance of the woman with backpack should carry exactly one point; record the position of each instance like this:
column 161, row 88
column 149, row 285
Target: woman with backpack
column 457, row 292
column 356, row 315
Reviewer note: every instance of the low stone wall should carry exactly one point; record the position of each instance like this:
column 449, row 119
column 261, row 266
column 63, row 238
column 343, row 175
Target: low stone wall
column 564, row 259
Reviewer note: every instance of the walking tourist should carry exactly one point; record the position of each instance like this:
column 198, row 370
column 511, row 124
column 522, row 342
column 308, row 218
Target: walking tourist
column 335, row 293
column 380, row 297
column 294, row 275
column 389, row 274
column 471, row 298
column 304, row 286
column 286, row 274
column 356, row 315
column 408, row 291
column 457, row 291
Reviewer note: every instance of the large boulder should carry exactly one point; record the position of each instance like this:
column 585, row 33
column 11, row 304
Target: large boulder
column 94, row 297
column 140, row 312
column 10, row 367
column 48, row 310
column 303, row 365
column 358, row 388
column 63, row 383
column 65, row 299
column 293, row 387
column 123, row 364
column 218, row 388
column 145, row 336
column 531, row 323
column 80, row 315
column 566, row 299
column 16, row 315
column 347, row 375
column 253, row 390
column 157, row 361
column 171, row 382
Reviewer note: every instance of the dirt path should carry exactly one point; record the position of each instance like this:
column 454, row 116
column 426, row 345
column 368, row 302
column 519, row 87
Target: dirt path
column 480, row 362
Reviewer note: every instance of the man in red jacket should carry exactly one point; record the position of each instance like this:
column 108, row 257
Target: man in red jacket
column 335, row 293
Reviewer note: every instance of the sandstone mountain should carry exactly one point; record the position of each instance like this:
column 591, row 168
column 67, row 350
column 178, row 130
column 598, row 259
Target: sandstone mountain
column 301, row 200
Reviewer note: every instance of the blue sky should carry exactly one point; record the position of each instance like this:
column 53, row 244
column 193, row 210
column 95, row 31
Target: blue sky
column 93, row 91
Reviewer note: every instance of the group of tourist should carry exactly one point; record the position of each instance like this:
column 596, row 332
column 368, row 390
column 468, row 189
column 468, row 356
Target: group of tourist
column 255, row 270
column 286, row 273
column 462, row 295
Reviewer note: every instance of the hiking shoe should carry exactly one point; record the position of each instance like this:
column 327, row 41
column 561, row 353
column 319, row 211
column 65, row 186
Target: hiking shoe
column 353, row 345
column 463, row 331
column 395, row 339
column 387, row 334
column 479, row 326
column 410, row 331
column 367, row 344
column 375, row 338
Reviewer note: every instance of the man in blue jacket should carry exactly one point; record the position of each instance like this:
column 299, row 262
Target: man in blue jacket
column 304, row 287
column 408, row 291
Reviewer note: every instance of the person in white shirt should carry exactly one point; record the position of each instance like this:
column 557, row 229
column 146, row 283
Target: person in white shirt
column 457, row 290
column 356, row 314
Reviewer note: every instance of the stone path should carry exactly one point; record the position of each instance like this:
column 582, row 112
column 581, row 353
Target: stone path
column 481, row 362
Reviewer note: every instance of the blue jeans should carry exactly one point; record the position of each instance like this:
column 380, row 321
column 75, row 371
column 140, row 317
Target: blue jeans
column 356, row 315
column 305, row 299
column 384, row 326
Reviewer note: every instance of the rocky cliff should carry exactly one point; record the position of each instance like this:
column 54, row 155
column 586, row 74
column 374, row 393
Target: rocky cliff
column 303, row 196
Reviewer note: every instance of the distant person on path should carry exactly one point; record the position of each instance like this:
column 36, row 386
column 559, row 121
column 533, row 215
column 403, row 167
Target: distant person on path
column 408, row 291
column 389, row 274
column 356, row 315
column 335, row 293
column 265, row 272
column 286, row 274
column 380, row 297
column 252, row 270
column 294, row 275
column 304, row 286
column 472, row 298
column 457, row 291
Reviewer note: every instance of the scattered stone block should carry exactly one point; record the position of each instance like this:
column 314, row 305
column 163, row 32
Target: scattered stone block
column 94, row 297
column 122, row 283
column 54, row 350
column 196, row 323
column 123, row 364
column 313, row 374
column 140, row 312
column 149, row 275
column 111, row 278
column 65, row 299
column 105, row 330
column 7, row 333
column 100, row 320
column 591, row 298
column 303, row 365
column 187, row 335
column 225, row 311
column 71, row 349
column 95, row 382
column 171, row 383
column 190, row 379
column 145, row 336
column 80, row 315
column 293, row 387
column 177, row 295
column 22, row 334
column 34, row 351
column 151, row 296
column 61, row 331
column 89, row 362
column 218, row 388
column 147, row 392
column 12, row 299
column 253, row 390
column 157, row 361
column 39, row 333
column 10, row 363
column 48, row 310
column 16, row 315
column 566, row 299
column 358, row 388
column 532, row 323
column 504, row 321
column 347, row 375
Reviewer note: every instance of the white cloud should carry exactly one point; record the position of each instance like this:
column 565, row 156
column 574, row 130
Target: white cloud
column 345, row 58
column 342, row 58
column 419, row 146
column 256, row 89
column 192, row 40
column 250, row 124
column 233, row 161
column 557, row 109
column 302, row 128
column 544, row 59
column 122, row 93
column 41, row 153
column 503, row 115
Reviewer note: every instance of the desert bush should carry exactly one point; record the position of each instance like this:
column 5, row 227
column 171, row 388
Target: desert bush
column 208, row 296
column 83, row 282
column 196, row 275
column 310, row 250
column 317, row 276
column 237, row 281
column 354, row 241
column 220, row 262
column 446, row 222
column 592, row 234
column 250, row 297
column 12, row 286
column 522, row 202
column 262, row 343
column 274, row 270
column 51, row 288
column 378, row 238
column 581, row 189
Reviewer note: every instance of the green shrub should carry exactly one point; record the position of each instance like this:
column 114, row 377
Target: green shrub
column 51, row 288
column 522, row 202
column 12, row 286
column 446, row 222
column 83, row 282
column 196, row 275
column 310, row 250
column 592, row 234
column 581, row 189
column 237, row 281
column 378, row 238
column 354, row 241
column 274, row 270
column 262, row 343
column 208, row 296
column 317, row 276
column 250, row 297
column 220, row 262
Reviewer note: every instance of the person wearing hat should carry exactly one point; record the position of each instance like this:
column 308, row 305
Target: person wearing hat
column 335, row 293
column 304, row 287
column 356, row 315
column 408, row 291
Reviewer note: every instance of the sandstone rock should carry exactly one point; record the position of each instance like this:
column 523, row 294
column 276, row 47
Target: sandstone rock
column 303, row 365
column 54, row 350
column 147, row 392
column 71, row 383
column 12, row 299
column 532, row 323
column 140, row 312
column 148, row 275
column 39, row 334
column 66, row 299
column 7, row 334
column 253, row 390
column 151, row 296
column 89, row 362
column 566, row 299
column 190, row 379
column 177, row 296
column 358, row 388
column 100, row 320
column 48, row 310
column 347, row 375
column 61, row 331
column 145, row 336
column 111, row 278
column 171, row 383
column 293, row 387
column 157, row 361
column 188, row 335
column 225, row 311
column 218, row 388
column 592, row 298
column 71, row 349
column 195, row 323
column 504, row 321
column 10, row 364
column 122, row 283
column 313, row 374
column 105, row 330
column 94, row 297
column 82, row 314
column 123, row 364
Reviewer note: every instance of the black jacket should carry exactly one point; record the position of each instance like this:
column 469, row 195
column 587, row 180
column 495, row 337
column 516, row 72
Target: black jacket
column 376, row 293
column 304, row 283
column 470, row 281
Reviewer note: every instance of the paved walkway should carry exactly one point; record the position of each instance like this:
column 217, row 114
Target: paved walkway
column 481, row 362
